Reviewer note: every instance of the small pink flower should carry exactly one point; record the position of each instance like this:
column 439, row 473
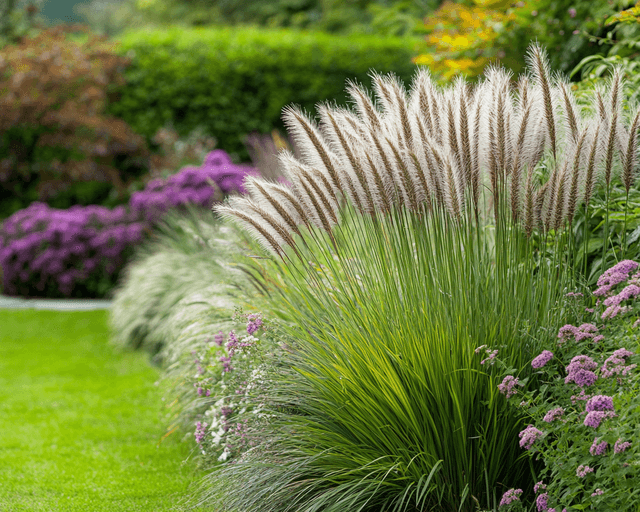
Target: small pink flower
column 572, row 12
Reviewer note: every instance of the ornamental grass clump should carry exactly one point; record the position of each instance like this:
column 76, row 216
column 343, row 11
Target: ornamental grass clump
column 409, row 237
column 177, row 287
column 585, row 405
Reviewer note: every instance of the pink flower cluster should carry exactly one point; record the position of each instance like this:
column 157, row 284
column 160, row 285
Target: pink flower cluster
column 620, row 446
column 599, row 403
column 583, row 471
column 580, row 371
column 542, row 359
column 510, row 496
column 585, row 331
column 614, row 276
column 615, row 363
column 529, row 436
column 598, row 448
column 201, row 431
column 254, row 322
column 553, row 414
column 540, row 486
column 508, row 383
column 594, row 418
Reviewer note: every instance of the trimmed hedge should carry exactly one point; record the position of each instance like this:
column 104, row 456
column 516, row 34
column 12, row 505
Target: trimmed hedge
column 234, row 81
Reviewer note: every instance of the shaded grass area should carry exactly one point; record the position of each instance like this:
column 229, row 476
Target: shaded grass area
column 80, row 424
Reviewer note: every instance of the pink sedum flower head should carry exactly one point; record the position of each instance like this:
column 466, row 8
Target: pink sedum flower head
column 598, row 492
column 620, row 446
column 598, row 448
column 529, row 436
column 510, row 496
column 594, row 418
column 508, row 385
column 540, row 486
column 599, row 403
column 583, row 471
column 553, row 415
column 542, row 359
column 542, row 502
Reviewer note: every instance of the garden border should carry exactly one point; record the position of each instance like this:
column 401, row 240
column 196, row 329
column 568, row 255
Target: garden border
column 53, row 304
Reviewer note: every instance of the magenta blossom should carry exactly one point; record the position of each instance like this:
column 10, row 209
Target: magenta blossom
column 510, row 496
column 599, row 403
column 620, row 447
column 553, row 414
column 598, row 448
column 508, row 383
column 529, row 436
column 583, row 471
column 594, row 418
column 542, row 359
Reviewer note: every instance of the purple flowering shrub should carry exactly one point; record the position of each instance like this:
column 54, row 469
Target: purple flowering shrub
column 230, row 380
column 80, row 252
column 585, row 412
column 45, row 252
column 216, row 178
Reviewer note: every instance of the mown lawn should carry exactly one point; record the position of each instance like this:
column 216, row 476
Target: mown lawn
column 80, row 423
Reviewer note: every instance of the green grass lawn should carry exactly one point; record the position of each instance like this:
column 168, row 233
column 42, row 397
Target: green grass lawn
column 80, row 423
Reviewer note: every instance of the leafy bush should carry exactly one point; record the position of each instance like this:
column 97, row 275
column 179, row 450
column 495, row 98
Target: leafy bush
column 66, row 253
column 464, row 38
column 621, row 46
column 584, row 411
column 236, row 81
column 54, row 132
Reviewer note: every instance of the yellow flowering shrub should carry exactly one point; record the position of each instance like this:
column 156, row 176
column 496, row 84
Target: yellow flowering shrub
column 460, row 38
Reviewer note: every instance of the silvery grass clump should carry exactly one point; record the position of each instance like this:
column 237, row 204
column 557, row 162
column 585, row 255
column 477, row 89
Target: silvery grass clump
column 179, row 275
column 407, row 240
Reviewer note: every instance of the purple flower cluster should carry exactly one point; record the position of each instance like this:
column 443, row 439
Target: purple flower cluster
column 580, row 371
column 529, row 436
column 45, row 251
column 583, row 471
column 540, row 486
column 50, row 252
column 620, row 446
column 192, row 185
column 542, row 502
column 553, row 414
column 201, row 431
column 614, row 276
column 508, row 383
column 599, row 403
column 615, row 364
column 254, row 323
column 598, row 448
column 594, row 418
column 585, row 331
column 542, row 359
column 510, row 496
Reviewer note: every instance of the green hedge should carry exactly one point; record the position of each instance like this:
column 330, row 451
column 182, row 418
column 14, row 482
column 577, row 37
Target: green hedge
column 233, row 81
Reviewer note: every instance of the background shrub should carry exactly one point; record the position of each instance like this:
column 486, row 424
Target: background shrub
column 216, row 178
column 77, row 252
column 81, row 251
column 54, row 133
column 234, row 81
